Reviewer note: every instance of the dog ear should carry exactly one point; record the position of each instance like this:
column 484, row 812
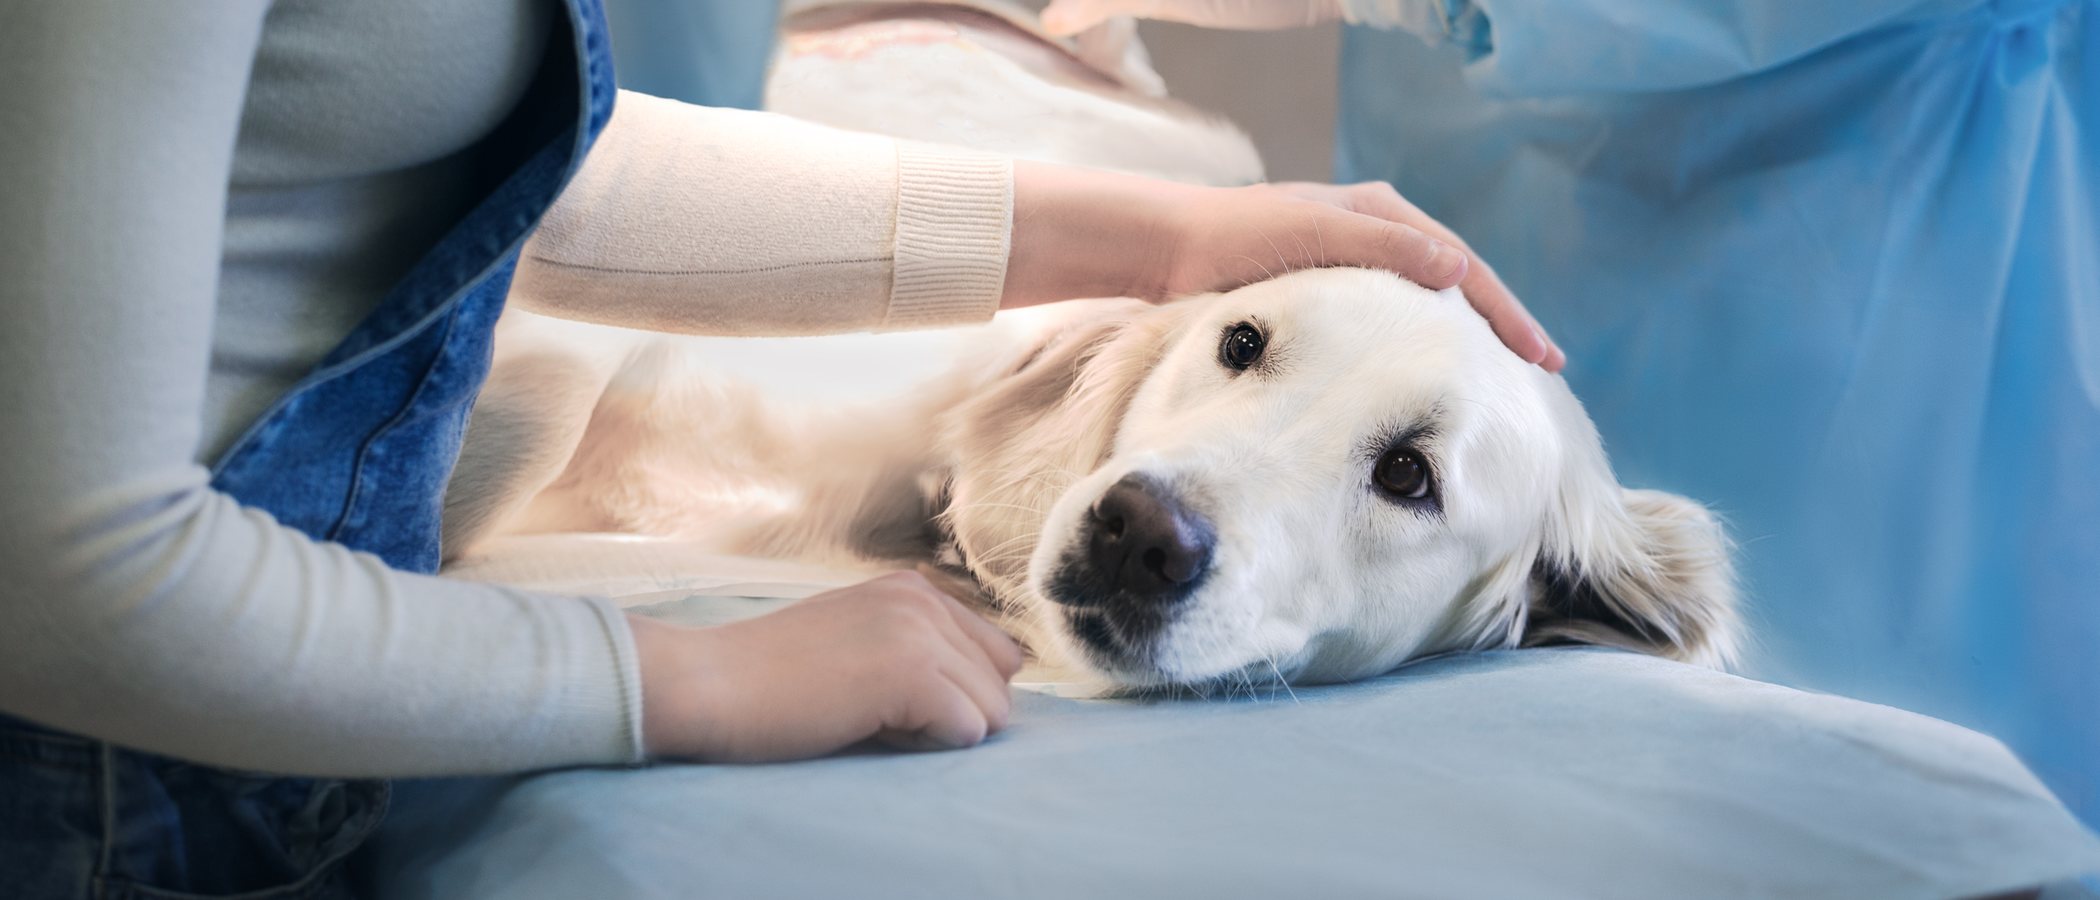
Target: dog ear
column 1643, row 570
column 1068, row 391
column 1051, row 417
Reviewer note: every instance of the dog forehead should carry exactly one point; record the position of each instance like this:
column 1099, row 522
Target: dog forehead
column 1363, row 354
column 1372, row 336
column 1390, row 318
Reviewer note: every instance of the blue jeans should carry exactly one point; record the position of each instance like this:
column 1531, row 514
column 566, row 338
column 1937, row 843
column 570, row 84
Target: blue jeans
column 80, row 818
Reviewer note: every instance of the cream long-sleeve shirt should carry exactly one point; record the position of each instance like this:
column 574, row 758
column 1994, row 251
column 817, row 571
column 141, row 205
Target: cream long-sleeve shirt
column 199, row 200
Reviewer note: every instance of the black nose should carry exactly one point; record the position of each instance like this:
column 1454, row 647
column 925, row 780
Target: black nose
column 1145, row 545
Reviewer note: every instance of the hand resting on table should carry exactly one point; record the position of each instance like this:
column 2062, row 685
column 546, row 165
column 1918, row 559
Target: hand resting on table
column 893, row 659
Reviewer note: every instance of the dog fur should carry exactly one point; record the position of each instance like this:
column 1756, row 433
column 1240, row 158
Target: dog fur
column 993, row 473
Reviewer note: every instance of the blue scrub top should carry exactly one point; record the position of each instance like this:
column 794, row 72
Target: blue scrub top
column 1833, row 268
column 709, row 52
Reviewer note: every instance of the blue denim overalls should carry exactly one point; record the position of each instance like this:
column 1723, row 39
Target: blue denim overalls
column 358, row 453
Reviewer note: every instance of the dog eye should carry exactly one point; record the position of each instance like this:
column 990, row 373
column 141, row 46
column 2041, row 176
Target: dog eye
column 1242, row 348
column 1401, row 473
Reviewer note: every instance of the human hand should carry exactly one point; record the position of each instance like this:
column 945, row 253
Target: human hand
column 1484, row 289
column 1155, row 240
column 892, row 659
column 1068, row 17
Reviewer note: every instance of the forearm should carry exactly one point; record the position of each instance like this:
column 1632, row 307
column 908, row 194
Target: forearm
column 174, row 620
column 699, row 220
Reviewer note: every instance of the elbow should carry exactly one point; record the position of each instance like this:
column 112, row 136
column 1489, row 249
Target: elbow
column 119, row 551
column 99, row 586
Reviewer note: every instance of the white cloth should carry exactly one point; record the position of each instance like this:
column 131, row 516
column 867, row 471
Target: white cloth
column 143, row 607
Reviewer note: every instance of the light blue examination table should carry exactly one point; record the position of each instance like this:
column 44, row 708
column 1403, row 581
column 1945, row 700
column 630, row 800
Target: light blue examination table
column 1534, row 773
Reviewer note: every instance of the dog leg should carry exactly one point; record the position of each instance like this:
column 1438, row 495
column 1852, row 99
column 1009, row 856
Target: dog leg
column 527, row 424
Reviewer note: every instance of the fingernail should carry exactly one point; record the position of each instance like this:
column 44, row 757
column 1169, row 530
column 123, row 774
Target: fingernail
column 1445, row 263
column 1060, row 21
column 1553, row 359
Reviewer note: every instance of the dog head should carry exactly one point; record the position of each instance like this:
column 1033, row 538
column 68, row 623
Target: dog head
column 1313, row 478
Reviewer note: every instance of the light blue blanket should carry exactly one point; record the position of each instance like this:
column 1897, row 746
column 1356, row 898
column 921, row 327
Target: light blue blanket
column 1536, row 773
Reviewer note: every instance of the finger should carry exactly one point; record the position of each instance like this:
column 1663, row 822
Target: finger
column 1381, row 199
column 938, row 716
column 1064, row 18
column 966, row 654
column 905, row 739
column 1372, row 242
column 994, row 700
column 1512, row 323
column 1509, row 320
column 967, row 631
column 999, row 649
column 969, row 665
column 1555, row 359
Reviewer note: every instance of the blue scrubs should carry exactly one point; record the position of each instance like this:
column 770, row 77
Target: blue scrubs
column 710, row 52
column 1833, row 268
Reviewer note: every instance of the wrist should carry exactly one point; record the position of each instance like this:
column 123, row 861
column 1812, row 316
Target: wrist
column 681, row 687
column 1083, row 233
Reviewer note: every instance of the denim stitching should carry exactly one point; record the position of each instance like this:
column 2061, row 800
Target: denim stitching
column 357, row 464
column 108, row 798
column 308, row 884
column 16, row 757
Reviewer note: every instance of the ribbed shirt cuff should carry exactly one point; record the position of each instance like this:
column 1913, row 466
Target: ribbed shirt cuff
column 620, row 641
column 954, row 228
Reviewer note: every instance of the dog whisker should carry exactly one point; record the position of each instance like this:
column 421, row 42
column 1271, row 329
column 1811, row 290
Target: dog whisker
column 1026, row 508
column 1301, row 246
column 1006, row 544
column 1280, row 680
column 1257, row 264
column 1006, row 555
column 1029, row 475
column 1285, row 263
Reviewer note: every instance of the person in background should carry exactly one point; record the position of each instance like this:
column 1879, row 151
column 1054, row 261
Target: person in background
column 254, row 253
column 1831, row 267
column 708, row 52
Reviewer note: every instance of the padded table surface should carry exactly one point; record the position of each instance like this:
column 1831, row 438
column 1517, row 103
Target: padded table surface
column 1529, row 773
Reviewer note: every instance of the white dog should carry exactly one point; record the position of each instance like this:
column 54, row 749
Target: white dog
column 1313, row 478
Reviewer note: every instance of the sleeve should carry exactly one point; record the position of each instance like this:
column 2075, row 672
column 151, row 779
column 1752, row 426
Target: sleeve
column 1521, row 48
column 139, row 605
column 723, row 221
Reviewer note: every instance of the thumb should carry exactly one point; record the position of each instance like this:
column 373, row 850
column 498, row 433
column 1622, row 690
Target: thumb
column 1065, row 18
